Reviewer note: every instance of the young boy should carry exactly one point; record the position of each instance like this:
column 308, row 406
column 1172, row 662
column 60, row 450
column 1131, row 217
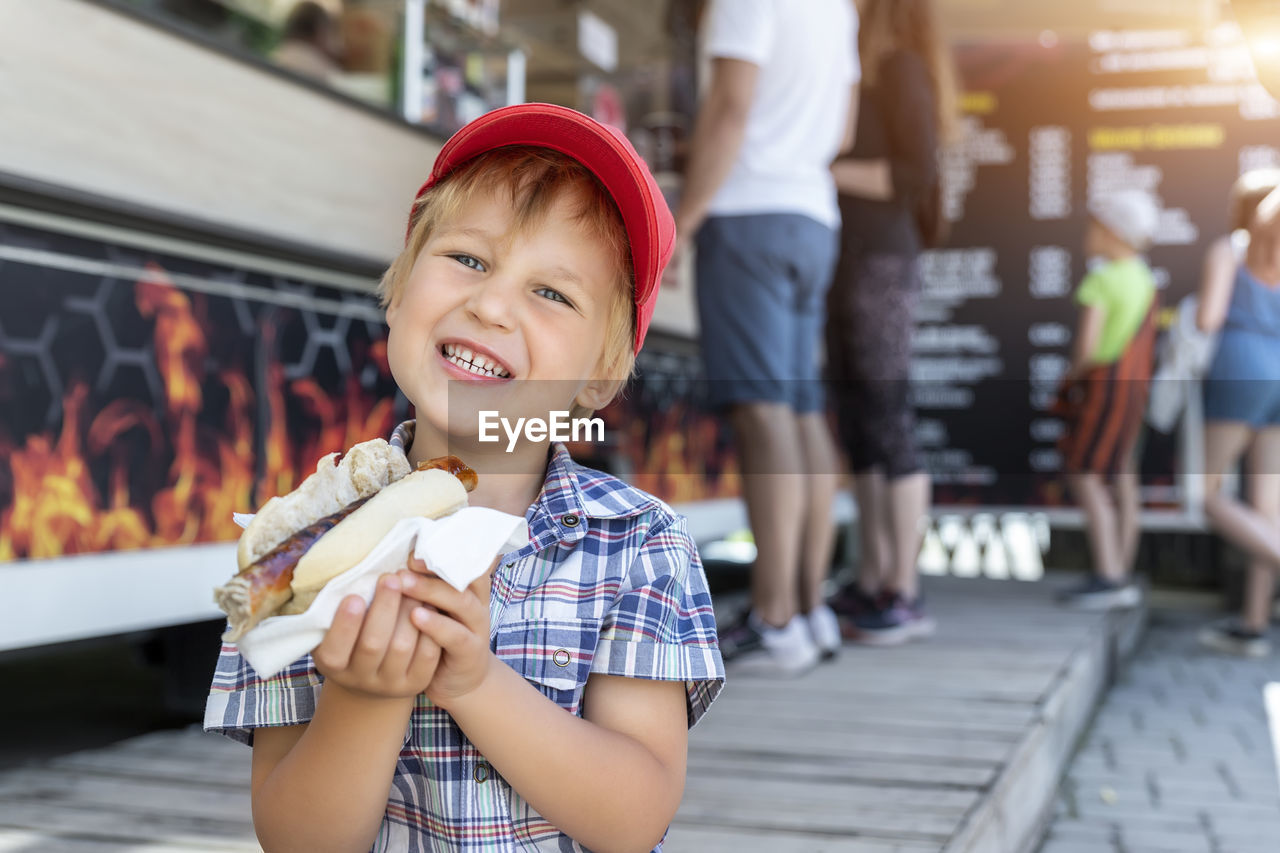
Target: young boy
column 1105, row 391
column 435, row 720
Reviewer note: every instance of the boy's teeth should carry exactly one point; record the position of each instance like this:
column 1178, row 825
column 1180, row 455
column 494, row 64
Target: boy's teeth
column 477, row 364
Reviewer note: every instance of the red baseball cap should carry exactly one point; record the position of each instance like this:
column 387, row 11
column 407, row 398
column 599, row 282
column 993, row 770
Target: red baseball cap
column 606, row 151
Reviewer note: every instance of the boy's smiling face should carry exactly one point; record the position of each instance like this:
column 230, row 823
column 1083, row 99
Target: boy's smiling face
column 488, row 307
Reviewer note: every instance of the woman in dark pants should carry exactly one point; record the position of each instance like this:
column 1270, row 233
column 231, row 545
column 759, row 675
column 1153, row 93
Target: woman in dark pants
column 907, row 106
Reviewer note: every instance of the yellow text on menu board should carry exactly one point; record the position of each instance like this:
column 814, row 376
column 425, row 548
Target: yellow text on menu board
column 978, row 103
column 1158, row 137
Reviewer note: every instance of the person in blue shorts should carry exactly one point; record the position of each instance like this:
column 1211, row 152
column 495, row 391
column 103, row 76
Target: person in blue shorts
column 760, row 198
column 1240, row 299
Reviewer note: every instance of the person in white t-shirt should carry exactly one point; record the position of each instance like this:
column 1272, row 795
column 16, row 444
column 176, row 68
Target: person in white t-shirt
column 760, row 199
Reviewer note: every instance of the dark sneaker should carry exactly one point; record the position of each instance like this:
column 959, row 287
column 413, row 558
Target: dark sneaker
column 888, row 623
column 740, row 638
column 922, row 624
column 751, row 647
column 1230, row 637
column 1100, row 594
column 851, row 602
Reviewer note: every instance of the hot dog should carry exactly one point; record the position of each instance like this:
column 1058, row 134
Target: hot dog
column 297, row 543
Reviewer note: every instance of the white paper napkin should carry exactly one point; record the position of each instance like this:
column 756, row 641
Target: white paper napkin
column 459, row 548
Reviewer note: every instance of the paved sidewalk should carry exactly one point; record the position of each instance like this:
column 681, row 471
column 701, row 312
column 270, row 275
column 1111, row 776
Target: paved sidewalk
column 1179, row 758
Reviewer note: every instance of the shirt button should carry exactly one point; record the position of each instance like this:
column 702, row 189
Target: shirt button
column 561, row 658
column 569, row 520
column 481, row 772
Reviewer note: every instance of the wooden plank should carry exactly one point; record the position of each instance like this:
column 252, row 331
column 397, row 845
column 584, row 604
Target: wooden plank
column 1013, row 814
column 127, row 796
column 830, row 719
column 850, row 820
column 193, row 746
column 951, row 745
column 799, row 795
column 684, row 838
column 899, row 771
column 962, row 653
column 958, row 715
column 765, row 739
column 917, row 685
column 28, row 841
column 921, row 682
column 870, row 705
column 159, row 768
column 189, row 741
column 923, row 686
column 134, row 826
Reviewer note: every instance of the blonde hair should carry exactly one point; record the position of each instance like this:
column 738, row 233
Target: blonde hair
column 1249, row 191
column 533, row 179
column 889, row 25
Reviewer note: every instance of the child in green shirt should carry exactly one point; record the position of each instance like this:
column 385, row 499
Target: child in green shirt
column 1105, row 391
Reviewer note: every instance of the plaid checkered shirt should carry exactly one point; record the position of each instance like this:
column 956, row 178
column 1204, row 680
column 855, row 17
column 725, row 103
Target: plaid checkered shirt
column 610, row 582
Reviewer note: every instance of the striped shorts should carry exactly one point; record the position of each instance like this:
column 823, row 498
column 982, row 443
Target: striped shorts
column 1105, row 409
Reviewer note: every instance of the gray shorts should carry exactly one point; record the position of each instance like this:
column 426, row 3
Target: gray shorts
column 762, row 287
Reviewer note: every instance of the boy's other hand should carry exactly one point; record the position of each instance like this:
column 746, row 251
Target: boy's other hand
column 456, row 621
column 378, row 651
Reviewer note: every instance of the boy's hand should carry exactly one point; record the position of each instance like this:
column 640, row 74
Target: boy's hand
column 378, row 651
column 458, row 622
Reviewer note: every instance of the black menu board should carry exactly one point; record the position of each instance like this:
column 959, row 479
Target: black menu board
column 1051, row 123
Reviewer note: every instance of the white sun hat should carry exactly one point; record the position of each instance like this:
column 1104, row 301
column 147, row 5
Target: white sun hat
column 1132, row 215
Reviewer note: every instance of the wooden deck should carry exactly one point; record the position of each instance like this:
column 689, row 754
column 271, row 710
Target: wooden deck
column 950, row 746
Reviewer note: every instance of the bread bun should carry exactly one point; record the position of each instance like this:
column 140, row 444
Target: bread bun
column 365, row 469
column 432, row 493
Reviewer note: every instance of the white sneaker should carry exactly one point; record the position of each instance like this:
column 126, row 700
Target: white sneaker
column 764, row 650
column 824, row 630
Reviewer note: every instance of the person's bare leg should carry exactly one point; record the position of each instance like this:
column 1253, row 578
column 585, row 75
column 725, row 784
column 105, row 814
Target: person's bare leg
column 874, row 547
column 1259, row 592
column 818, row 532
column 1128, row 511
column 908, row 505
column 768, row 443
column 1100, row 523
column 1236, row 521
column 1264, row 497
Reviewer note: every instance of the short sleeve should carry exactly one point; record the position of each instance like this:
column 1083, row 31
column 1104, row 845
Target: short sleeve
column 1093, row 290
column 853, row 72
column 662, row 625
column 740, row 29
column 239, row 701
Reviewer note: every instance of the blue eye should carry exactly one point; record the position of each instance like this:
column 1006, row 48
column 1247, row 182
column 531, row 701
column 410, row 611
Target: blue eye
column 469, row 262
column 553, row 295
